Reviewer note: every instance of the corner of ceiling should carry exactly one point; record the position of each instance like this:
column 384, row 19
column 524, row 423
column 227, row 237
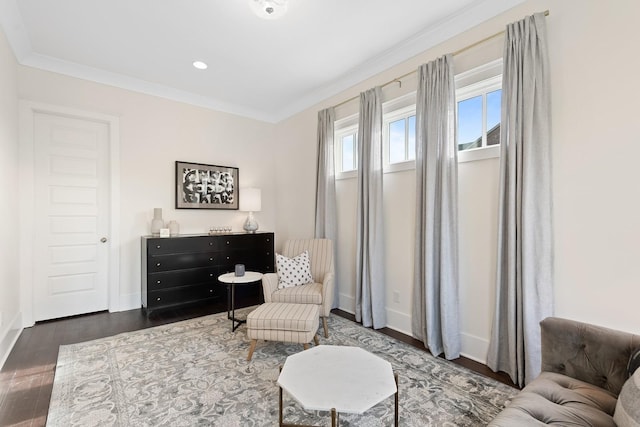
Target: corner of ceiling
column 454, row 24
column 14, row 29
column 480, row 11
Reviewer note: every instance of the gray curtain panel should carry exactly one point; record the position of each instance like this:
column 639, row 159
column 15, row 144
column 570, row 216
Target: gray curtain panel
column 435, row 288
column 370, row 289
column 524, row 288
column 326, row 216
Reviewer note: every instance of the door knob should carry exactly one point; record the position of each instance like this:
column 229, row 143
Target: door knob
column 103, row 240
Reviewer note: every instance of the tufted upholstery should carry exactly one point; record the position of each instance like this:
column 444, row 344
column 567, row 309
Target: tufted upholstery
column 320, row 292
column 584, row 367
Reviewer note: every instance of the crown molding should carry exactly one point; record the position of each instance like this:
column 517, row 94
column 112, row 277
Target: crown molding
column 480, row 11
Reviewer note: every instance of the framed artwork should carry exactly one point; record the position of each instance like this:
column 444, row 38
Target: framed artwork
column 200, row 186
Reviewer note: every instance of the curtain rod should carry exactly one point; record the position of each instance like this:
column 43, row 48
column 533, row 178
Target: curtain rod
column 457, row 52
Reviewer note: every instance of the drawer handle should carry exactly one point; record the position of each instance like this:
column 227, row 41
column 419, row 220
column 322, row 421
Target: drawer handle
column 268, row 240
column 158, row 282
column 228, row 258
column 210, row 259
column 210, row 243
column 158, row 247
column 158, row 265
column 210, row 290
column 227, row 242
column 158, row 299
column 210, row 274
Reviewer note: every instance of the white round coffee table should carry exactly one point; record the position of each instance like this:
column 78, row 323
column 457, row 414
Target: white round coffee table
column 338, row 379
column 231, row 280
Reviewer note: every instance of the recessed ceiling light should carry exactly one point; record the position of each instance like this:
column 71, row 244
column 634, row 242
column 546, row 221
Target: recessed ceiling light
column 200, row 65
column 269, row 9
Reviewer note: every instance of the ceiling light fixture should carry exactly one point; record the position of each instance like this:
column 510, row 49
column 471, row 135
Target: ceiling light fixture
column 269, row 9
column 200, row 65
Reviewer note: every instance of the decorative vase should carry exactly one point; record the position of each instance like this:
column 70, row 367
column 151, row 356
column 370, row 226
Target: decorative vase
column 174, row 228
column 157, row 223
column 250, row 225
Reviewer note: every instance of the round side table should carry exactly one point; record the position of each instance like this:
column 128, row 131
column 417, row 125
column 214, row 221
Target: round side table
column 231, row 280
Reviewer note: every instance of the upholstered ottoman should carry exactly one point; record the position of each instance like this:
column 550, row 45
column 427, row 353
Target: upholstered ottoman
column 284, row 322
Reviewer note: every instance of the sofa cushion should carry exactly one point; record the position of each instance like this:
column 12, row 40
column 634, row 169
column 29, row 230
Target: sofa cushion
column 293, row 271
column 557, row 399
column 628, row 407
column 311, row 293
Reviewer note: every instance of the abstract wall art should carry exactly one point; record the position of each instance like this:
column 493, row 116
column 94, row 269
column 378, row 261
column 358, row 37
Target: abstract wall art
column 200, row 186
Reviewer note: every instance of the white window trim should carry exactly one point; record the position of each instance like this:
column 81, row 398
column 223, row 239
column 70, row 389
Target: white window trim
column 479, row 154
column 479, row 81
column 401, row 107
column 342, row 127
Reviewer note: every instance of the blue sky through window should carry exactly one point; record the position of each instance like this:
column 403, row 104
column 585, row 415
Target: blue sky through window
column 348, row 163
column 469, row 120
column 493, row 108
column 397, row 134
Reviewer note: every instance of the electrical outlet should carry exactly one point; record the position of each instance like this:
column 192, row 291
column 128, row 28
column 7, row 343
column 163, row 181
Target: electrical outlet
column 396, row 296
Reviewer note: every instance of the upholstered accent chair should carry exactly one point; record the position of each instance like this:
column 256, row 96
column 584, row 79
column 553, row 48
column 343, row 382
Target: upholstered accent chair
column 320, row 291
column 584, row 368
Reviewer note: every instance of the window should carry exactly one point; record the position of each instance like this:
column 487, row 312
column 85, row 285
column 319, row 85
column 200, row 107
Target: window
column 478, row 108
column 346, row 147
column 400, row 133
column 349, row 153
column 479, row 117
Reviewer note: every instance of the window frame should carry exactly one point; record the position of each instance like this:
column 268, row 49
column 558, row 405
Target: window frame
column 479, row 82
column 342, row 128
column 396, row 109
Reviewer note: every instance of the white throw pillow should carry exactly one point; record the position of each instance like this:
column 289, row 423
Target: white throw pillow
column 627, row 413
column 293, row 271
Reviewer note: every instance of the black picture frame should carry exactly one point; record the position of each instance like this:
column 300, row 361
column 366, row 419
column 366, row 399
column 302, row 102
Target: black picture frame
column 201, row 186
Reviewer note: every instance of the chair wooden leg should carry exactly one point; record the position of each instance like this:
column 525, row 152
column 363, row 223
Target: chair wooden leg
column 315, row 340
column 305, row 346
column 326, row 328
column 252, row 347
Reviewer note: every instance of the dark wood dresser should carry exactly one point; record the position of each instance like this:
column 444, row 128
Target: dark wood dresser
column 185, row 269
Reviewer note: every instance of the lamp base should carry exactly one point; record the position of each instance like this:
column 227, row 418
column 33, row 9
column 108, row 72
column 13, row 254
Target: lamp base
column 250, row 225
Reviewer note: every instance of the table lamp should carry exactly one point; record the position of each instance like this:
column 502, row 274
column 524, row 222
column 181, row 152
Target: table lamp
column 250, row 201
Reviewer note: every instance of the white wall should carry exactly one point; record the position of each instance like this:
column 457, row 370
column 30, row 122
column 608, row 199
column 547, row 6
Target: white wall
column 595, row 132
column 10, row 323
column 154, row 133
column 596, row 196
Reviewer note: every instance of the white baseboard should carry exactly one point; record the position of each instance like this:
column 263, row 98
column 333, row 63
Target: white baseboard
column 347, row 303
column 399, row 321
column 128, row 302
column 474, row 348
column 396, row 320
column 9, row 336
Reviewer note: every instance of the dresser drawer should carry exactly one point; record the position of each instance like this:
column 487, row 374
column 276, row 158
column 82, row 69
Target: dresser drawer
column 172, row 279
column 242, row 241
column 183, row 261
column 183, row 244
column 182, row 295
column 261, row 262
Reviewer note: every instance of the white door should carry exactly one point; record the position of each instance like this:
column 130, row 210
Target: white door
column 71, row 208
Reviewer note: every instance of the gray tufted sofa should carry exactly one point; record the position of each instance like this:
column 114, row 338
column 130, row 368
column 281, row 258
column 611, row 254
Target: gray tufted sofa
column 583, row 369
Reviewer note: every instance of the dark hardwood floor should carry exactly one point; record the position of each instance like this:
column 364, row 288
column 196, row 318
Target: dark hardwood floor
column 26, row 380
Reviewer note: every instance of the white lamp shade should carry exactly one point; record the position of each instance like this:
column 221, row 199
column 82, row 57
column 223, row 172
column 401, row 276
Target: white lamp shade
column 250, row 199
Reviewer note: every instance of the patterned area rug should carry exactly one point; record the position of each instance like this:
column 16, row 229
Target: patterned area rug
column 195, row 373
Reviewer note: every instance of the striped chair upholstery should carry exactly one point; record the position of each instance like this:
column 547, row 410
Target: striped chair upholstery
column 322, row 270
column 285, row 322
